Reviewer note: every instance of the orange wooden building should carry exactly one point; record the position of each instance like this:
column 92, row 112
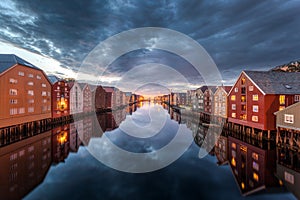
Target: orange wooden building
column 25, row 92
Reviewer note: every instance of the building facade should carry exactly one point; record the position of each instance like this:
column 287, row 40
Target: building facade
column 76, row 98
column 25, row 92
column 256, row 95
column 60, row 97
column 221, row 101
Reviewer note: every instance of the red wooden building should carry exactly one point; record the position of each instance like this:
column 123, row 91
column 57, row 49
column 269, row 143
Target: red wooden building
column 60, row 97
column 256, row 95
column 100, row 98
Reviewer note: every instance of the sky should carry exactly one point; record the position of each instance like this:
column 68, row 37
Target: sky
column 58, row 36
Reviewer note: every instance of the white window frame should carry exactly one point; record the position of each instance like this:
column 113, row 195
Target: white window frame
column 288, row 118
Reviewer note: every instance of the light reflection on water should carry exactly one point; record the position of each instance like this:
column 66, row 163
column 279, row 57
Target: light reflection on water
column 76, row 174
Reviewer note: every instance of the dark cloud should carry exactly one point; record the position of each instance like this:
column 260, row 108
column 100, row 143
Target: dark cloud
column 238, row 35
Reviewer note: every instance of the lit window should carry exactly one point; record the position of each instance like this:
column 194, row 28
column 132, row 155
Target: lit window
column 30, row 92
column 233, row 107
column 255, row 118
column 243, row 81
column 233, row 115
column 282, row 99
column 58, row 87
column 30, row 83
column 255, row 165
column 233, row 145
column 289, row 119
column 13, row 92
column 255, row 97
column 243, row 117
column 251, row 88
column 255, row 108
column 21, row 73
column 255, row 176
column 255, row 156
column 233, row 162
column 44, row 85
column 236, row 89
column 297, row 98
column 281, row 107
column 243, row 98
column 232, row 98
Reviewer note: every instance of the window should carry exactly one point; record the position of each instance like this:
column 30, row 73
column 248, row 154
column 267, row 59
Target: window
column 250, row 88
column 255, row 97
column 255, row 176
column 233, row 107
column 13, row 101
column 243, row 81
column 44, row 100
column 281, row 107
column 30, row 75
column 31, row 101
column 38, row 77
column 13, row 81
column 255, row 108
column 44, row 93
column 49, row 94
column 21, row 73
column 289, row 118
column 236, row 89
column 13, row 92
column 233, row 115
column 30, row 109
column 243, row 98
column 297, row 98
column 58, row 87
column 282, row 99
column 243, row 90
column 30, row 83
column 30, row 92
column 244, row 117
column 21, row 110
column 233, row 145
column 13, row 111
column 255, row 165
column 255, row 118
column 243, row 107
column 44, row 85
column 255, row 156
column 232, row 97
column 289, row 177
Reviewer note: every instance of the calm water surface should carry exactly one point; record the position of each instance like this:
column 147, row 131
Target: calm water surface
column 67, row 170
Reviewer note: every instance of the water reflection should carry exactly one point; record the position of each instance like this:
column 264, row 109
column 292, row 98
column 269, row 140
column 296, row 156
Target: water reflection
column 24, row 164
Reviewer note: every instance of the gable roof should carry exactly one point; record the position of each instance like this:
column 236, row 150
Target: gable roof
column 9, row 60
column 288, row 108
column 274, row 82
column 108, row 89
column 53, row 79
